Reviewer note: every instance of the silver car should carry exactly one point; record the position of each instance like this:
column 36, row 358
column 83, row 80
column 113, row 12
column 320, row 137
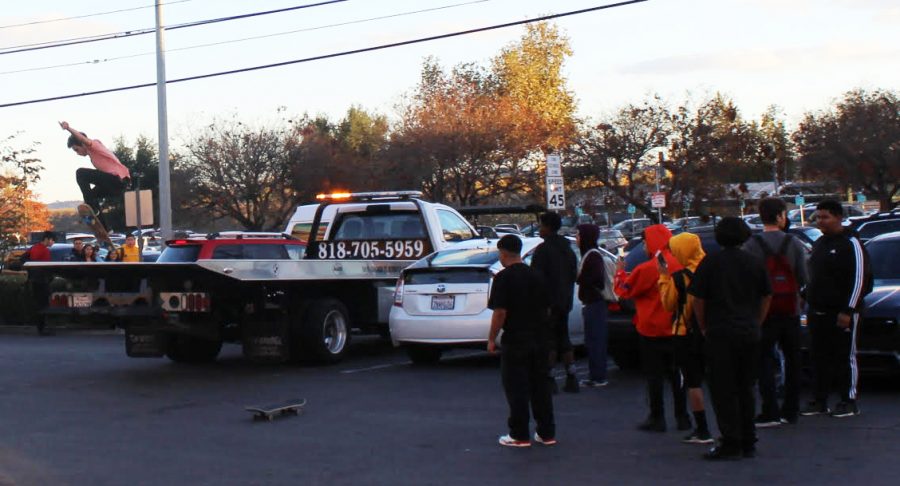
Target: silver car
column 440, row 301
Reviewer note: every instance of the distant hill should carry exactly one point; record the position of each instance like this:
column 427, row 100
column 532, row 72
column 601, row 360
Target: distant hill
column 64, row 205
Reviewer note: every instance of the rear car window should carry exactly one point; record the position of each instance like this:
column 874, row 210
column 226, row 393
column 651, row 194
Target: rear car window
column 265, row 252
column 875, row 228
column 449, row 276
column 397, row 225
column 179, row 254
column 476, row 256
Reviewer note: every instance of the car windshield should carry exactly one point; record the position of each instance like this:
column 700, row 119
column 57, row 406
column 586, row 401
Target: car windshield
column 885, row 264
column 813, row 233
column 179, row 254
column 474, row 256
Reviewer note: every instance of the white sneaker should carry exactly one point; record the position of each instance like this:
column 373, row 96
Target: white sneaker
column 546, row 442
column 593, row 383
column 508, row 441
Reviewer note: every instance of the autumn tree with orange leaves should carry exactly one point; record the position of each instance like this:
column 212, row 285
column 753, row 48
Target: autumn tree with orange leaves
column 20, row 213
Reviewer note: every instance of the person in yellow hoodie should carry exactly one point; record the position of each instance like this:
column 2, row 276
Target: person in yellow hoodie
column 686, row 248
column 130, row 252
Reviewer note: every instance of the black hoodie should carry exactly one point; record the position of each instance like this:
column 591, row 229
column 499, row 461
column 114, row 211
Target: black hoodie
column 839, row 274
column 556, row 262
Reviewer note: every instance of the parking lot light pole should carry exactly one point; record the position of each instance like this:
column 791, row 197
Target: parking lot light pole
column 165, row 195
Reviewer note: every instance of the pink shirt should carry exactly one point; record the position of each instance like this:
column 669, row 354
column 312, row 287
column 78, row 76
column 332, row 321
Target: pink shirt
column 106, row 161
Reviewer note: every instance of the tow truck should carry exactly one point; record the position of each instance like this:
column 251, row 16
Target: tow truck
column 278, row 309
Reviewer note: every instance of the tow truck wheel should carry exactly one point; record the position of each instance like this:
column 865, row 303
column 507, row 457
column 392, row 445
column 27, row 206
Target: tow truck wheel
column 422, row 354
column 190, row 349
column 326, row 331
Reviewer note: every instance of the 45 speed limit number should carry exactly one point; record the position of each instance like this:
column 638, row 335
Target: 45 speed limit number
column 365, row 250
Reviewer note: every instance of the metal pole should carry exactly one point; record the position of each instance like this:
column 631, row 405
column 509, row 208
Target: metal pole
column 165, row 195
column 662, row 157
column 140, row 226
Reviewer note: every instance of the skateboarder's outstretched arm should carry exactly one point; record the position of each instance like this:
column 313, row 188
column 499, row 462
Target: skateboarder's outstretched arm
column 78, row 136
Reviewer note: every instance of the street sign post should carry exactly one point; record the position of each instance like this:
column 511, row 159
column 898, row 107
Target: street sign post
column 658, row 200
column 556, row 191
column 631, row 209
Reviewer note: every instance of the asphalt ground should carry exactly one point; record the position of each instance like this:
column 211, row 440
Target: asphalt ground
column 74, row 410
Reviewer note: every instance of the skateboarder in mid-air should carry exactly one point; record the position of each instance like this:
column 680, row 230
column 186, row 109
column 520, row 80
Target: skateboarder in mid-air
column 109, row 179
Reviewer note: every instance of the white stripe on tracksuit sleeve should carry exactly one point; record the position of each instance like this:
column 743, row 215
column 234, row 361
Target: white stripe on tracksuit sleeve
column 859, row 277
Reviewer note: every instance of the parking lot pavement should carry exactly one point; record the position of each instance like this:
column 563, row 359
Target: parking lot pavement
column 75, row 410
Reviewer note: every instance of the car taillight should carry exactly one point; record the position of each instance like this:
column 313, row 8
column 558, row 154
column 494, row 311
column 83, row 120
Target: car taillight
column 398, row 292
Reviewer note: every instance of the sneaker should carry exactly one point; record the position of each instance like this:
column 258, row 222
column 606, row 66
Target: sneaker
column 571, row 385
column 698, row 437
column 541, row 440
column 684, row 423
column 593, row 383
column 508, row 441
column 724, row 453
column 792, row 420
column 763, row 422
column 652, row 425
column 845, row 409
column 815, row 408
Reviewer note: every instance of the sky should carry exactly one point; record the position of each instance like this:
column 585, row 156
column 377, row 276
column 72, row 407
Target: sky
column 800, row 55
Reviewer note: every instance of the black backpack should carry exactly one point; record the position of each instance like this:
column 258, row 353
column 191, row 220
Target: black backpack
column 681, row 286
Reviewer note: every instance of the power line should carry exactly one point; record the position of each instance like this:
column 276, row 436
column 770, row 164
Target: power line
column 332, row 55
column 60, row 19
column 231, row 41
column 130, row 33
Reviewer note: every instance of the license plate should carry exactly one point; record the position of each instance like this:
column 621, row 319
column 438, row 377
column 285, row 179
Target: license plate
column 443, row 302
column 82, row 300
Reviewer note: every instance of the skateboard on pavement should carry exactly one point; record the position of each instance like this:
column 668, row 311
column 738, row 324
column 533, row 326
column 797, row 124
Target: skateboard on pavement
column 89, row 217
column 288, row 407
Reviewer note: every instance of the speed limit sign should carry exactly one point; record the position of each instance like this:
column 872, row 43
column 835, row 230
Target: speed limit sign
column 556, row 193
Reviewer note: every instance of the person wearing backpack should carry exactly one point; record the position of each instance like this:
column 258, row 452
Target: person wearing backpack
column 840, row 278
column 592, row 282
column 688, row 339
column 785, row 260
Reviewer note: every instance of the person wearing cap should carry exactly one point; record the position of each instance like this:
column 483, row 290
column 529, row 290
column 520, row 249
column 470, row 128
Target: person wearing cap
column 520, row 307
column 591, row 282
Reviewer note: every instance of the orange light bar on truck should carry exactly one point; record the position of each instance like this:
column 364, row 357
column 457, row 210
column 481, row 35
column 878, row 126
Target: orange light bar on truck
column 334, row 195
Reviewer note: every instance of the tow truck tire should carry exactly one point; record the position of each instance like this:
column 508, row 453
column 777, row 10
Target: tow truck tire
column 326, row 331
column 190, row 349
column 423, row 354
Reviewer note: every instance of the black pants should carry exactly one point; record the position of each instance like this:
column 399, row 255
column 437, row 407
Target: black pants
column 833, row 355
column 104, row 186
column 785, row 333
column 523, row 367
column 733, row 365
column 658, row 362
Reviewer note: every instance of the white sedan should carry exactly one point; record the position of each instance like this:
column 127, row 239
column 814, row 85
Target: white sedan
column 440, row 301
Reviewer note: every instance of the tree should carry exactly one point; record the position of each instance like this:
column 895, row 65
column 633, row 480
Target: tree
column 529, row 73
column 462, row 139
column 856, row 142
column 19, row 211
column 142, row 162
column 620, row 152
column 241, row 172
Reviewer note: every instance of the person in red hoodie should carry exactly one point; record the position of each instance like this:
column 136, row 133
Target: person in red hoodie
column 40, row 291
column 654, row 325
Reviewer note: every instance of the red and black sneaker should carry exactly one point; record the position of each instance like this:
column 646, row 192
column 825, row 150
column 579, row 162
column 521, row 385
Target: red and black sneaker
column 508, row 441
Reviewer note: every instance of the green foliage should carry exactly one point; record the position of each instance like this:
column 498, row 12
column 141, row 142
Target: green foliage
column 142, row 161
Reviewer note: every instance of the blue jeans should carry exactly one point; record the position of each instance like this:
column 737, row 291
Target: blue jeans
column 595, row 338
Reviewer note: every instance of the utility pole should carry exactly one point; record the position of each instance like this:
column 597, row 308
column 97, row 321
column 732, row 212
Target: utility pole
column 165, row 194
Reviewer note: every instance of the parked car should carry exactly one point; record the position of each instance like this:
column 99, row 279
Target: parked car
column 633, row 227
column 876, row 224
column 807, row 235
column 754, row 221
column 487, row 231
column 878, row 335
column 809, row 214
column 683, row 224
column 611, row 239
column 440, row 301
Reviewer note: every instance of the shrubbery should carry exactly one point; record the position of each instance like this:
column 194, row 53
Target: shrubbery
column 16, row 305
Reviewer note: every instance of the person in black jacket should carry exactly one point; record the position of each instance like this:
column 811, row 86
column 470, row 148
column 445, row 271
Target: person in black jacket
column 591, row 281
column 838, row 283
column 555, row 260
column 519, row 301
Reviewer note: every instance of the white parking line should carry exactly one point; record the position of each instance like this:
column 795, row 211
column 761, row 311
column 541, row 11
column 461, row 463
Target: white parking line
column 374, row 368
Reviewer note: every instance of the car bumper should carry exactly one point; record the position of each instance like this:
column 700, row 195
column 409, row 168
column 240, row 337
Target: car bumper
column 440, row 330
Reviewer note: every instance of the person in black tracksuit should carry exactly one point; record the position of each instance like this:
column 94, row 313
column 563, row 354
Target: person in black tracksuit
column 555, row 260
column 838, row 282
column 520, row 304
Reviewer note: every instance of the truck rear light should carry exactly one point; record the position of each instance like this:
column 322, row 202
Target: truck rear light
column 191, row 303
column 398, row 292
column 185, row 301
